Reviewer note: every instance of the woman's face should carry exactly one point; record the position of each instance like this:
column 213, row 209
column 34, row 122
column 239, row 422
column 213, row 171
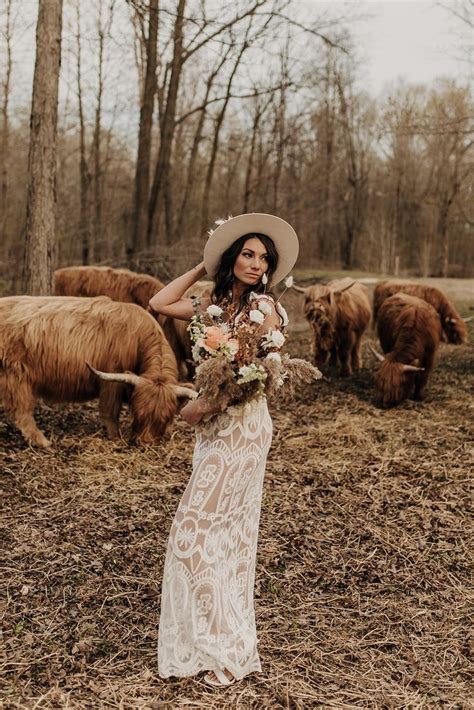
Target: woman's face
column 251, row 263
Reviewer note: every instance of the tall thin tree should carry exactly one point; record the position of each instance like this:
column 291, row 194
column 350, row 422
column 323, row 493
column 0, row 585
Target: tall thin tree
column 41, row 203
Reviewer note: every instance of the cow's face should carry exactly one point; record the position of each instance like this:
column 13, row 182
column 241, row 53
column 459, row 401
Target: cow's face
column 153, row 405
column 318, row 314
column 392, row 383
column 456, row 331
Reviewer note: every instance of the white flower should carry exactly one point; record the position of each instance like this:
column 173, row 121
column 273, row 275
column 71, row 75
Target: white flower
column 213, row 310
column 220, row 221
column 289, row 282
column 277, row 338
column 256, row 316
column 253, row 296
column 249, row 373
column 264, row 306
column 274, row 356
column 264, row 279
column 274, row 338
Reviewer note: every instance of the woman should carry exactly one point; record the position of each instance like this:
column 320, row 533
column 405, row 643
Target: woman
column 207, row 620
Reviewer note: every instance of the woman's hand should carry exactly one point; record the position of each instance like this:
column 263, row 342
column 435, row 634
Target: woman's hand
column 192, row 412
column 196, row 409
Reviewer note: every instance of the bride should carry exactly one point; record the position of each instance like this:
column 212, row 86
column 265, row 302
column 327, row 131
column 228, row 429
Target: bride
column 207, row 619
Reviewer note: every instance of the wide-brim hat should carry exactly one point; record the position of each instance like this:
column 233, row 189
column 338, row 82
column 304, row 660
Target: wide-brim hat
column 280, row 232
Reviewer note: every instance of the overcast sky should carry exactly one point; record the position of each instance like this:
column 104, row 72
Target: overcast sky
column 413, row 39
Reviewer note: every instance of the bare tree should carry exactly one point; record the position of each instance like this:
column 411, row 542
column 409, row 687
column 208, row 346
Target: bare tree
column 167, row 127
column 142, row 173
column 84, row 172
column 5, row 134
column 41, row 204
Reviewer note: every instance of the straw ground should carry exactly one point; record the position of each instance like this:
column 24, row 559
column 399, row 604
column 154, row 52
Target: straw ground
column 363, row 560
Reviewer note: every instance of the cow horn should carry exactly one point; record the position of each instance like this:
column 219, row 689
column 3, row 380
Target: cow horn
column 181, row 391
column 468, row 320
column 343, row 286
column 300, row 289
column 378, row 355
column 128, row 378
column 412, row 368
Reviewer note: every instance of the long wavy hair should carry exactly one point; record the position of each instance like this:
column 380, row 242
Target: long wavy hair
column 224, row 277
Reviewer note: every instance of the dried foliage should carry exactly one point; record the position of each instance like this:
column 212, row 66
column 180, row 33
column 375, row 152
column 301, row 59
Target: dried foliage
column 363, row 558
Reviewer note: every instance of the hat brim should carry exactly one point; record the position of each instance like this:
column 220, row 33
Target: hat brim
column 280, row 232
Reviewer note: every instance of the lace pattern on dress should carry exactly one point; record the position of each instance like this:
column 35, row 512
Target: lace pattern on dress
column 207, row 616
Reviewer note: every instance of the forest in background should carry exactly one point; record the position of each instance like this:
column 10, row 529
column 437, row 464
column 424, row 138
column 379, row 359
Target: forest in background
column 175, row 113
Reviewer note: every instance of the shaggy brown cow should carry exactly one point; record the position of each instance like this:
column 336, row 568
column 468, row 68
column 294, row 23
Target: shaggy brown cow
column 409, row 332
column 118, row 284
column 47, row 342
column 339, row 313
column 129, row 287
column 452, row 323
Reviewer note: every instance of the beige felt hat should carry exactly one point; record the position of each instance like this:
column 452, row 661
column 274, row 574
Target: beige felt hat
column 280, row 232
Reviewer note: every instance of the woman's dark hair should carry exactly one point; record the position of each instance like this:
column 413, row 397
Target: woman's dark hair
column 224, row 277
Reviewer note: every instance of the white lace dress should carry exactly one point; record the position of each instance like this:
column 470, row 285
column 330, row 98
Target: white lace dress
column 207, row 618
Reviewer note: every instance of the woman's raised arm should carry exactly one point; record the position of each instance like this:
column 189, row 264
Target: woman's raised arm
column 170, row 302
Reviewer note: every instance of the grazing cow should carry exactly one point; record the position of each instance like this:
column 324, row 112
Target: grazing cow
column 129, row 287
column 47, row 343
column 452, row 323
column 409, row 332
column 339, row 313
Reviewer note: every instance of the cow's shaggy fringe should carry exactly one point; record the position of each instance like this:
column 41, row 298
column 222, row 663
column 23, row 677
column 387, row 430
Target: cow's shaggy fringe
column 451, row 322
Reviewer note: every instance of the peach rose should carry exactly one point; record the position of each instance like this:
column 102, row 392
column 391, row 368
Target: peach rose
column 214, row 337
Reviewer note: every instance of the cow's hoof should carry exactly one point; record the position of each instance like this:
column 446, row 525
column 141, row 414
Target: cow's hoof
column 41, row 441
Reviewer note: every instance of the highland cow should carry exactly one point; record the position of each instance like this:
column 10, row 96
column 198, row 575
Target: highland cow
column 409, row 332
column 452, row 323
column 339, row 313
column 47, row 343
column 129, row 287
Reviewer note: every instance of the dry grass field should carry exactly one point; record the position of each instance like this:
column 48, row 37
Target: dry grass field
column 363, row 573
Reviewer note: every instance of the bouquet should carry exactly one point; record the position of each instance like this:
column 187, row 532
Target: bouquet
column 236, row 361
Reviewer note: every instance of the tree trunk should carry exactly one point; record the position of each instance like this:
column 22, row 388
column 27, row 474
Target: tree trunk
column 85, row 177
column 167, row 130
column 96, row 151
column 142, row 173
column 5, row 136
column 41, row 202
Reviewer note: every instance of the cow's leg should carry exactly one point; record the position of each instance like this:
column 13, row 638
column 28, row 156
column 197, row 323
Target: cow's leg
column 333, row 357
column 345, row 350
column 21, row 410
column 110, row 404
column 356, row 359
column 421, row 378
